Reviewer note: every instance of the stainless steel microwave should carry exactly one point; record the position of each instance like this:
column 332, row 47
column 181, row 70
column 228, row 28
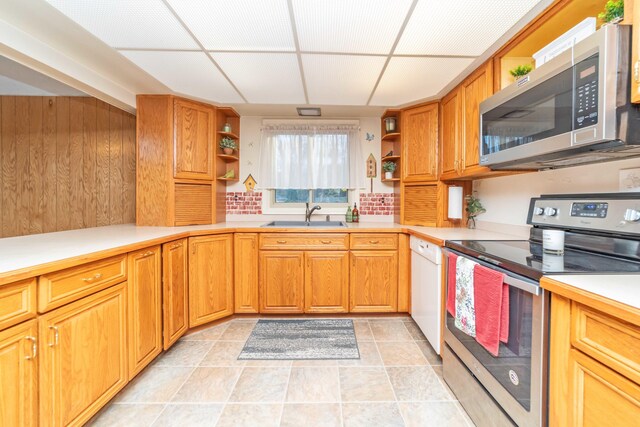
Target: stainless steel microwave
column 574, row 109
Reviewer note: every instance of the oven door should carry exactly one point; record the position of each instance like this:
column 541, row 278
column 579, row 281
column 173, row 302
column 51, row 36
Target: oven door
column 516, row 378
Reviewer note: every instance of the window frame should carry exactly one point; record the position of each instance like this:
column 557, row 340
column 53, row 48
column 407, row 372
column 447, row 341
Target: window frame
column 269, row 205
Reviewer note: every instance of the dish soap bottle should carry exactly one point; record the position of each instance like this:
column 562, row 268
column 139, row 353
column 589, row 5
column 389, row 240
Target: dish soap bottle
column 355, row 214
column 349, row 216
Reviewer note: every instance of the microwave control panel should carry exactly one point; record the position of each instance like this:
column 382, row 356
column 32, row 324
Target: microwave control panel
column 585, row 103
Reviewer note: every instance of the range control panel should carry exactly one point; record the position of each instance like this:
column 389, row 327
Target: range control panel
column 608, row 212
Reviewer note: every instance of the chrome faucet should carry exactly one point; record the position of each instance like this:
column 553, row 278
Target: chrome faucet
column 309, row 212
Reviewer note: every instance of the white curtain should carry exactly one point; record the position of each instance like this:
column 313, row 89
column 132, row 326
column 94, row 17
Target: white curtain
column 304, row 157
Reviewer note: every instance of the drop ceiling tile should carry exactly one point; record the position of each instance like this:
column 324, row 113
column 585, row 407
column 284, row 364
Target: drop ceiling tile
column 355, row 26
column 238, row 24
column 463, row 27
column 264, row 77
column 143, row 24
column 411, row 79
column 341, row 79
column 188, row 73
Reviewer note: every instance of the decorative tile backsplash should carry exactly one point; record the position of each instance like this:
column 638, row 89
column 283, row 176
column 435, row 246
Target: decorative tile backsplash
column 244, row 203
column 376, row 203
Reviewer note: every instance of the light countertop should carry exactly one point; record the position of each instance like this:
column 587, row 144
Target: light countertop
column 622, row 288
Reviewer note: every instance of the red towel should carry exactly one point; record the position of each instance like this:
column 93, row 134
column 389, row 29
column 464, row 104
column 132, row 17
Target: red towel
column 491, row 297
column 451, row 285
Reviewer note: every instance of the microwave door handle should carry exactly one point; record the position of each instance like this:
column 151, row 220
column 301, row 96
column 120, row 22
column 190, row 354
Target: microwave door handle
column 522, row 285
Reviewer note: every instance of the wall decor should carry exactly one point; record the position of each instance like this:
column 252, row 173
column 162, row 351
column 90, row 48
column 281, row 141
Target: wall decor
column 250, row 183
column 369, row 137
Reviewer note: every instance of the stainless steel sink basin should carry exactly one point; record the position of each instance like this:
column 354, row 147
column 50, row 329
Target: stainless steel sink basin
column 312, row 224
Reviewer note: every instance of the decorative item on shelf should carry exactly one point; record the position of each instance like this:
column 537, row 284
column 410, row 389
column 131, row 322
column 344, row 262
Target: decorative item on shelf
column 389, row 168
column 226, row 128
column 355, row 214
column 369, row 137
column 474, row 208
column 390, row 124
column 390, row 153
column 454, row 205
column 250, row 183
column 349, row 216
column 613, row 12
column 520, row 71
column 228, row 145
column 230, row 174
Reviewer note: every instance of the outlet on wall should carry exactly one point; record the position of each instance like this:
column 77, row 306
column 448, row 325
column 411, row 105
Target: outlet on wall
column 629, row 179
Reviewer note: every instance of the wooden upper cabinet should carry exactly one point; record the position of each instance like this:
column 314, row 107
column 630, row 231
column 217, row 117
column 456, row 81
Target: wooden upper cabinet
column 210, row 278
column 245, row 247
column 19, row 375
column 420, row 143
column 175, row 291
column 193, row 139
column 326, row 282
column 374, row 281
column 83, row 356
column 451, row 125
column 635, row 50
column 281, row 282
column 475, row 89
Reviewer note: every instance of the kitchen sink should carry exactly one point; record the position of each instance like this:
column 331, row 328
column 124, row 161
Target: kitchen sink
column 312, row 224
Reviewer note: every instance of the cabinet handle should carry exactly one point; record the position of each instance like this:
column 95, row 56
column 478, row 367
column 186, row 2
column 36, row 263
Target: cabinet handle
column 146, row 254
column 325, row 242
column 34, row 347
column 92, row 278
column 636, row 71
column 374, row 242
column 176, row 245
column 281, row 241
column 56, row 336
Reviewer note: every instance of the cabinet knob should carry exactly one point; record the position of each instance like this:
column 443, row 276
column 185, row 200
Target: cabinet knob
column 176, row 245
column 34, row 347
column 326, row 242
column 374, row 242
column 281, row 241
column 147, row 254
column 92, row 278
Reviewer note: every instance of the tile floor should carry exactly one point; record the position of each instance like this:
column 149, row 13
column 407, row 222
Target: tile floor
column 199, row 382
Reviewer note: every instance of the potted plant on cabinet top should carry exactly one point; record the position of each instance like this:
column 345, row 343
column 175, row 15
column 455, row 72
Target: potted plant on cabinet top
column 520, row 71
column 474, row 208
column 228, row 145
column 613, row 12
column 389, row 168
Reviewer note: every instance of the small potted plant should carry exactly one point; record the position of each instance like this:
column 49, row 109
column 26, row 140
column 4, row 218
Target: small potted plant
column 228, row 145
column 520, row 71
column 474, row 208
column 613, row 12
column 389, row 168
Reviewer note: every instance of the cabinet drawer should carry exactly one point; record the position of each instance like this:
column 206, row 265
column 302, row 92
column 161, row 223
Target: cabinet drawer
column 613, row 342
column 17, row 302
column 290, row 241
column 374, row 241
column 62, row 287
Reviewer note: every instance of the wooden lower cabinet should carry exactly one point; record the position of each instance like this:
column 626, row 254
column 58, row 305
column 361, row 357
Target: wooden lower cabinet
column 210, row 278
column 175, row 295
column 374, row 281
column 83, row 356
column 19, row 375
column 326, row 282
column 245, row 247
column 281, row 281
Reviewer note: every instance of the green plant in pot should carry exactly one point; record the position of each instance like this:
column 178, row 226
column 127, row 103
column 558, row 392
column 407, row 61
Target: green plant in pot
column 520, row 71
column 228, row 145
column 474, row 208
column 389, row 168
column 613, row 11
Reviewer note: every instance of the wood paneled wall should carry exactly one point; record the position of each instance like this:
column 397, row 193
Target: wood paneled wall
column 66, row 163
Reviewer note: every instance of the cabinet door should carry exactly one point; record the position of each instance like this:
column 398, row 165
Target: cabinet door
column 210, row 278
column 193, row 140
column 83, row 356
column 477, row 88
column 326, row 282
column 144, row 308
column 420, row 139
column 599, row 395
column 451, row 126
column 19, row 375
column 245, row 247
column 374, row 281
column 281, row 282
column 175, row 296
column 635, row 51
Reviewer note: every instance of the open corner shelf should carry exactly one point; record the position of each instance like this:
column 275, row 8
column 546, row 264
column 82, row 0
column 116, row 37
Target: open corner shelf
column 390, row 158
column 229, row 134
column 227, row 179
column 390, row 180
column 227, row 158
column 389, row 136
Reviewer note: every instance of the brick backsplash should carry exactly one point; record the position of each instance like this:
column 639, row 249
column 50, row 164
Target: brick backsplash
column 244, row 203
column 376, row 203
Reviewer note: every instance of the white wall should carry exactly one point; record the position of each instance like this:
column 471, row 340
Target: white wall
column 507, row 198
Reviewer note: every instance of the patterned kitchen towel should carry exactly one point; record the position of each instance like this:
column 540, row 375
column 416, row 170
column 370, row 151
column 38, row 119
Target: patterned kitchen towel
column 465, row 319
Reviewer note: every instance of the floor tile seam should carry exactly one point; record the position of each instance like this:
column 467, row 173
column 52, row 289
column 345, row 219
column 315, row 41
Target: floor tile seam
column 340, row 396
column 392, row 389
column 181, row 385
column 286, row 391
column 235, row 384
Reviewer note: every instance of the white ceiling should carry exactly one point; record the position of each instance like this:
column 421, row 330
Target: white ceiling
column 365, row 53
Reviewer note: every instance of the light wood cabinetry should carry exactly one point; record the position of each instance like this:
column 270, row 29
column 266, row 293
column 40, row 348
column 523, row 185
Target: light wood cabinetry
column 374, row 241
column 245, row 247
column 632, row 14
column 451, row 129
column 326, row 282
column 175, row 291
column 83, row 356
column 391, row 145
column 293, row 241
column 420, row 143
column 144, row 308
column 210, row 278
column 374, row 281
column 193, row 143
column 17, row 303
column 281, row 281
column 19, row 375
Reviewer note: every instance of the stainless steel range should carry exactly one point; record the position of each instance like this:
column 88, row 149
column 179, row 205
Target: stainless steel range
column 602, row 235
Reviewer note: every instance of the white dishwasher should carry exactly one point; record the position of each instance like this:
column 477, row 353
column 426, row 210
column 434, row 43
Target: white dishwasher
column 426, row 289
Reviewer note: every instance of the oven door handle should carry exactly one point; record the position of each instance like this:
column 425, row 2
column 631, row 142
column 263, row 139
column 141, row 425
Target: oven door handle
column 522, row 285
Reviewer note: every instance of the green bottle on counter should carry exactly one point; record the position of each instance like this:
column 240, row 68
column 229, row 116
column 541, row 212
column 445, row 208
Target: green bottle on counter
column 349, row 217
